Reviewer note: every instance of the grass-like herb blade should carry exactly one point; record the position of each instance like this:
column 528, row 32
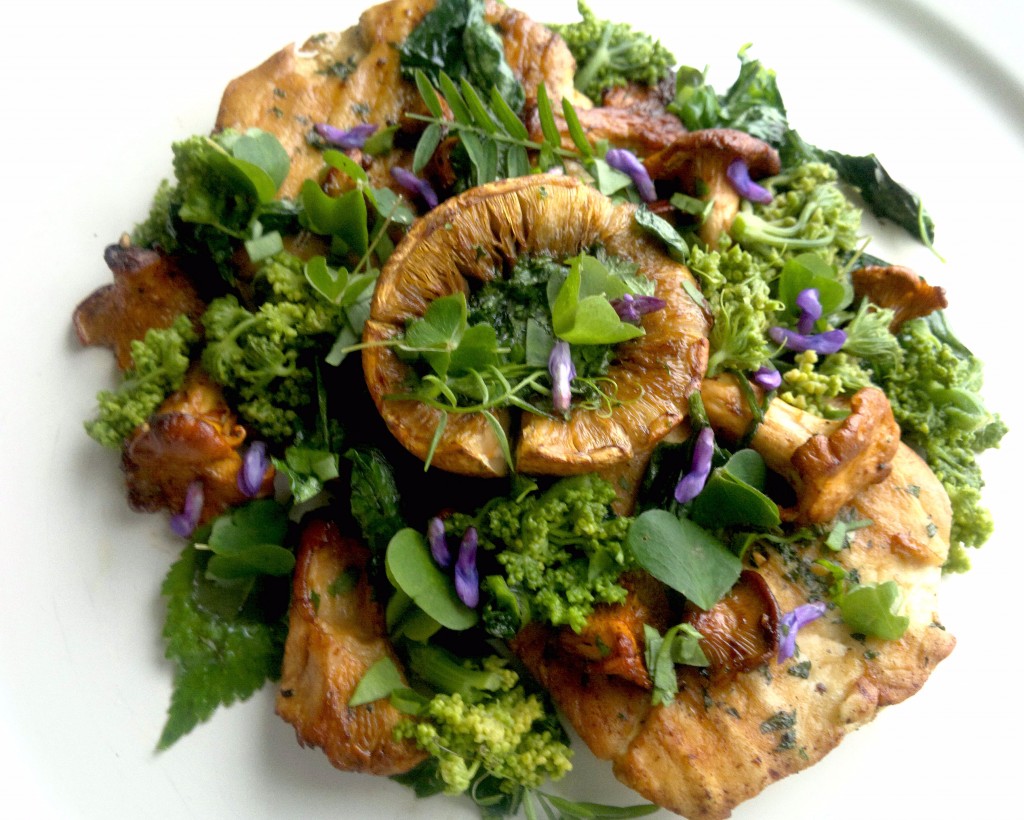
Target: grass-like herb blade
column 579, row 136
column 548, row 127
column 429, row 95
column 507, row 117
column 426, row 146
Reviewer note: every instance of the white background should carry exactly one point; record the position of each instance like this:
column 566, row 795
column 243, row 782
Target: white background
column 93, row 95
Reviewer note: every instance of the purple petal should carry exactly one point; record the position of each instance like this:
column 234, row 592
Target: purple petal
column 767, row 378
column 831, row 341
column 185, row 522
column 254, row 469
column 630, row 308
column 345, row 138
column 438, row 542
column 562, row 371
column 810, row 309
column 700, row 467
column 791, row 622
column 626, row 161
column 467, row 578
column 739, row 175
column 415, row 185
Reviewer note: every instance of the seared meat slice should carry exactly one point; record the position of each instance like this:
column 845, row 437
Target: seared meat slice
column 149, row 291
column 335, row 633
column 724, row 738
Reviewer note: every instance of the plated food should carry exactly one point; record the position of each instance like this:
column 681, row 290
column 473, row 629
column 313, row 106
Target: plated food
column 575, row 398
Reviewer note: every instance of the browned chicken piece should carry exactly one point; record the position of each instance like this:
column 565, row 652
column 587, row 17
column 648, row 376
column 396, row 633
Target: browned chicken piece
column 475, row 236
column 697, row 163
column 827, row 462
column 192, row 436
column 353, row 77
column 641, row 98
column 725, row 738
column 149, row 291
column 335, row 633
column 899, row 288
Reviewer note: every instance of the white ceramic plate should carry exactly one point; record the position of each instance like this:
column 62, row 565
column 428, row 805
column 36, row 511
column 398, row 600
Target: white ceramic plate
column 102, row 89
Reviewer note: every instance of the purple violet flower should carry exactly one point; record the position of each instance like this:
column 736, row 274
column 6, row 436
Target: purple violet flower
column 767, row 378
column 700, row 467
column 438, row 542
column 415, row 185
column 467, row 578
column 831, row 341
column 185, row 522
column 791, row 622
column 630, row 308
column 738, row 173
column 810, row 309
column 562, row 371
column 626, row 161
column 254, row 469
column 345, row 138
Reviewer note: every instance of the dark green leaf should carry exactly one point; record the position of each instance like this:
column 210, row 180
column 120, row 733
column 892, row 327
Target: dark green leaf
column 426, row 146
column 663, row 230
column 684, row 556
column 412, row 569
column 733, row 495
column 374, row 500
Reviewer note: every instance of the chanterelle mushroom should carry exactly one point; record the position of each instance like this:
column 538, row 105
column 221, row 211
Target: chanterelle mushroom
column 899, row 288
column 475, row 237
column 827, row 462
column 697, row 162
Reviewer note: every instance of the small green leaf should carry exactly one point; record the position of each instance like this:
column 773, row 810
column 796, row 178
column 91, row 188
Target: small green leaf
column 429, row 95
column 343, row 216
column 663, row 230
column 684, row 556
column 873, row 609
column 733, row 495
column 379, row 681
column 426, row 146
column 413, row 571
column 576, row 132
column 809, row 270
column 327, row 281
column 548, row 127
column 263, row 150
column 507, row 117
column 437, row 334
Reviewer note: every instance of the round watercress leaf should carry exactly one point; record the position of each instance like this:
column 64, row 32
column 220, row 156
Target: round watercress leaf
column 684, row 556
column 438, row 333
column 595, row 322
column 733, row 495
column 413, row 571
column 873, row 609
column 809, row 270
column 379, row 681
column 263, row 150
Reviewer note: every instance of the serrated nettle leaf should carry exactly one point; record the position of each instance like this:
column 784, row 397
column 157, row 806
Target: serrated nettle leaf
column 684, row 556
column 254, row 559
column 258, row 522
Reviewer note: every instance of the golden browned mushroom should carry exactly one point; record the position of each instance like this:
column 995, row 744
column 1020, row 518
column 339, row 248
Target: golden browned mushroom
column 149, row 291
column 335, row 633
column 827, row 462
column 475, row 237
column 193, row 436
column 697, row 163
column 741, row 631
column 641, row 133
column 899, row 288
column 353, row 77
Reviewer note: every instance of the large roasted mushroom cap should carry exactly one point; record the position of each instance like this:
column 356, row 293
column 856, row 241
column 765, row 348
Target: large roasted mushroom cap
column 476, row 237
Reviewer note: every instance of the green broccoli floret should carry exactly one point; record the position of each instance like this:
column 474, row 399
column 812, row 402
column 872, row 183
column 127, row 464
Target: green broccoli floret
column 222, row 186
column 562, row 549
column 934, row 392
column 500, row 734
column 159, row 362
column 610, row 54
column 736, row 284
column 808, row 212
